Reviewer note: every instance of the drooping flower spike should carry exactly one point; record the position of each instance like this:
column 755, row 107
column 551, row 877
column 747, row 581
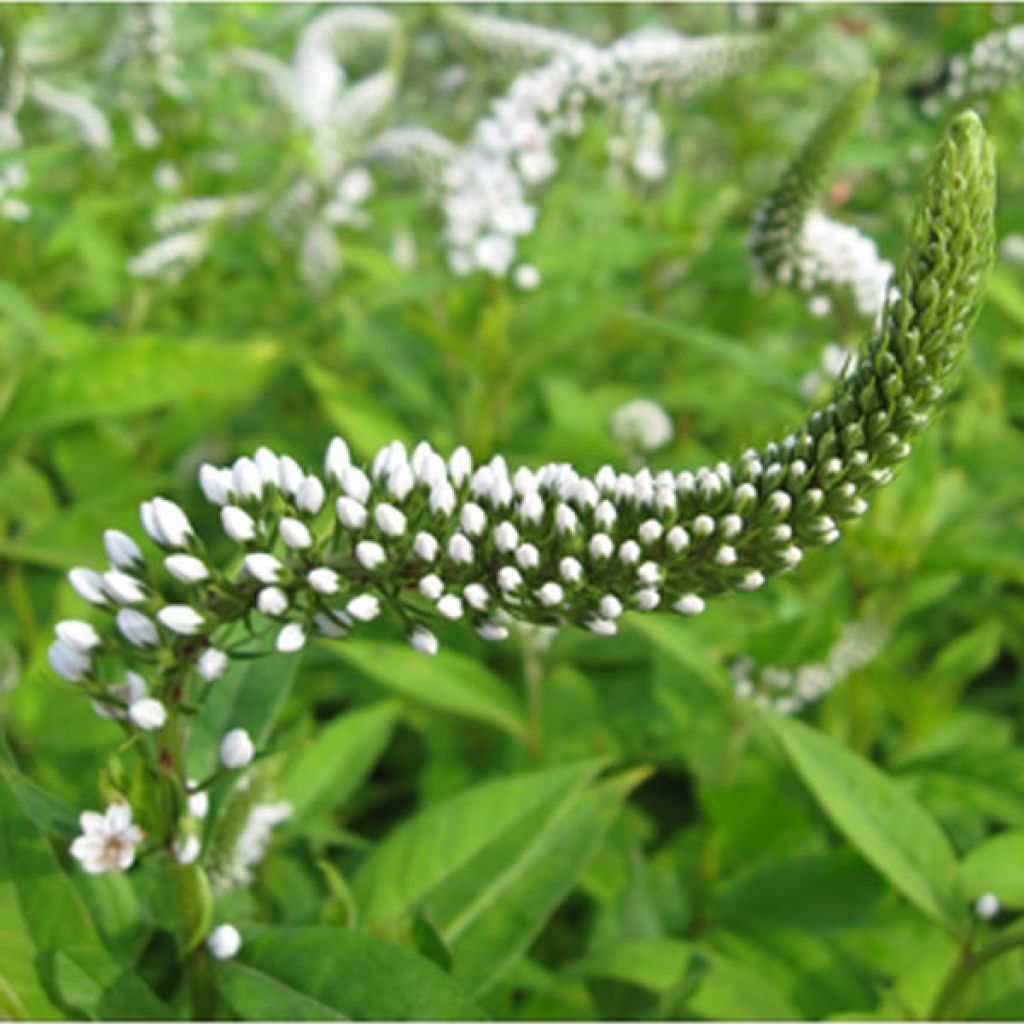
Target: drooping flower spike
column 794, row 243
column 426, row 538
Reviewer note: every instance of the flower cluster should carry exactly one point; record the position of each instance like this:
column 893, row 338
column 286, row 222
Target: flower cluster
column 335, row 116
column 513, row 149
column 994, row 63
column 789, row 691
column 793, row 243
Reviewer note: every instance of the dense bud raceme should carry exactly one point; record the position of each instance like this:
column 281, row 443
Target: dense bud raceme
column 794, row 243
column 512, row 150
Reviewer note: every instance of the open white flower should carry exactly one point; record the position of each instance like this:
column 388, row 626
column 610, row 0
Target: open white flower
column 108, row 841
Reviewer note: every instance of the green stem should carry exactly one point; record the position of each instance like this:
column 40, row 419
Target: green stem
column 968, row 964
column 533, row 681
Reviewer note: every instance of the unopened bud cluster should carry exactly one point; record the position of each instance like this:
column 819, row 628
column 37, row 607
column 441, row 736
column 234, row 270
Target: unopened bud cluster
column 793, row 243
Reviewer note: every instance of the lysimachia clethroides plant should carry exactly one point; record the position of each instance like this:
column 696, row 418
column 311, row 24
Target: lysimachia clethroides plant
column 423, row 538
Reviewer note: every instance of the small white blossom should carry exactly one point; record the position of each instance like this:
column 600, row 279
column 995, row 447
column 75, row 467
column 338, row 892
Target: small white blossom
column 324, row 581
column 124, row 589
column 263, row 567
column 78, row 634
column 68, row 662
column 450, row 606
column 309, row 498
column 987, row 906
column 370, row 554
column 136, row 628
column 238, row 524
column 365, row 607
column 292, row 638
column 351, row 513
column 295, row 533
column 272, row 601
column 88, row 585
column 422, row 640
column 108, row 841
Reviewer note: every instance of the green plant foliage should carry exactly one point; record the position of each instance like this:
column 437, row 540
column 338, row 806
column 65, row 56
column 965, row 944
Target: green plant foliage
column 585, row 247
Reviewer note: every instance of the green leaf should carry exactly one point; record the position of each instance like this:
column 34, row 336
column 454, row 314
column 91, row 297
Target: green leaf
column 327, row 771
column 432, row 847
column 132, row 375
column 92, row 985
column 490, row 914
column 447, row 682
column 879, row 818
column 39, row 911
column 333, row 974
column 249, row 696
column 997, row 865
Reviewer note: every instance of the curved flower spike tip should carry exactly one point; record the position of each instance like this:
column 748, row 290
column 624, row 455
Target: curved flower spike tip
column 428, row 538
column 792, row 242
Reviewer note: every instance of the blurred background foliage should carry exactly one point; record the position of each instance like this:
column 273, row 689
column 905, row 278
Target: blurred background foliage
column 697, row 876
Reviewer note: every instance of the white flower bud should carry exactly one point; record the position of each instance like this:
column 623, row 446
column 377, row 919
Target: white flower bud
column 570, row 569
column 677, row 538
column 492, row 631
column 187, row 849
column 460, row 549
column 212, row 664
column 550, row 594
column 216, row 484
column 509, row 578
column 506, row 536
column 186, row 568
column 531, row 508
column 726, row 555
column 647, row 599
column 124, row 589
column 603, row 627
column 136, row 628
column 247, row 479
column 365, row 607
column 351, row 513
column 310, row 496
column 422, row 640
column 473, row 519
column 753, row 580
column 334, row 625
column 601, row 546
column 689, row 604
column 236, row 749
column 324, row 581
column 649, row 572
column 355, row 483
column 476, row 596
column 267, row 463
column 289, row 476
column 224, row 942
column 123, row 551
column 401, row 482
column 263, row 567
column 460, row 465
column 605, row 515
column 528, row 556
column 792, row 556
column 650, row 531
column 181, row 619
column 165, row 523
column 390, row 521
column 431, row 587
column 370, row 554
column 732, row 525
column 295, row 533
column 425, row 546
column 442, row 499
column 450, row 606
column 238, row 524
column 703, row 526
column 629, row 552
column 609, row 606
column 88, row 585
column 68, row 662
column 198, row 803
column 148, row 714
column 292, row 638
column 78, row 634
column 336, row 459
column 987, row 906
column 272, row 601
column 779, row 502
